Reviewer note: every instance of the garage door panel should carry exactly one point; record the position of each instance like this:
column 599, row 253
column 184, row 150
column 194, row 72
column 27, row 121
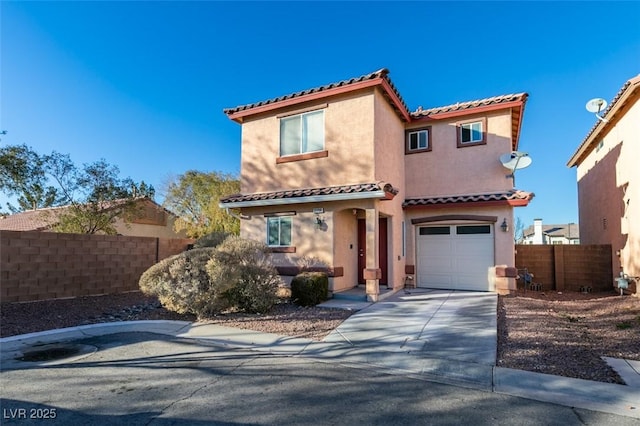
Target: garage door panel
column 472, row 281
column 459, row 260
column 443, row 281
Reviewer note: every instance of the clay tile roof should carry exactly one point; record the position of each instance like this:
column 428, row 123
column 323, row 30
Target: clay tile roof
column 308, row 192
column 381, row 73
column 585, row 146
column 614, row 101
column 30, row 220
column 41, row 219
column 460, row 106
column 469, row 198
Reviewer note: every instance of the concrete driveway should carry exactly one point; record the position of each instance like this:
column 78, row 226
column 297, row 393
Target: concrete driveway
column 444, row 324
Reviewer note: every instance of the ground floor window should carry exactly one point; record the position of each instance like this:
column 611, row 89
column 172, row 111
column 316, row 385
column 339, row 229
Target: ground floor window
column 279, row 231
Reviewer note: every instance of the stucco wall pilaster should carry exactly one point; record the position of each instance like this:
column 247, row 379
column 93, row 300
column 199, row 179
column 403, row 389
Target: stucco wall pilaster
column 372, row 272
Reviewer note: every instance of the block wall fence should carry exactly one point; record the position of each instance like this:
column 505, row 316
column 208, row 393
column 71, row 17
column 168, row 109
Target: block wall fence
column 48, row 265
column 568, row 267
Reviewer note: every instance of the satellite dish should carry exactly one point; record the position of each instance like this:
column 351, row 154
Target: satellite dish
column 515, row 160
column 596, row 105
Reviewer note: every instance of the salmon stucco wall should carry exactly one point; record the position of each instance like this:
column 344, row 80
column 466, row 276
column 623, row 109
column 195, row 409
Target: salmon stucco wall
column 333, row 245
column 609, row 193
column 449, row 170
column 349, row 127
column 146, row 230
column 309, row 240
column 345, row 234
column 390, row 167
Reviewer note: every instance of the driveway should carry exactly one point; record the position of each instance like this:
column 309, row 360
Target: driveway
column 452, row 325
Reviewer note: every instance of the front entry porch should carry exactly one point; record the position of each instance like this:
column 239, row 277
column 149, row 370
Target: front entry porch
column 359, row 293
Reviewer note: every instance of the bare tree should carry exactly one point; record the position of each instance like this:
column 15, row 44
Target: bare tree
column 518, row 231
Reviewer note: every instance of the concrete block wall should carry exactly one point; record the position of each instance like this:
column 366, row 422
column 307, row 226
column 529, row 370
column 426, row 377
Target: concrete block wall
column 568, row 267
column 538, row 259
column 48, row 265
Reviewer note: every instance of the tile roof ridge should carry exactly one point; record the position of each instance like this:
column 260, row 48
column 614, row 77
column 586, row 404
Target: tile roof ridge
column 380, row 73
column 631, row 82
column 471, row 194
column 493, row 100
column 297, row 192
column 42, row 209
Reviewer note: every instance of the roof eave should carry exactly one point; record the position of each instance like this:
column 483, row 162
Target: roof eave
column 492, row 203
column 470, row 111
column 239, row 116
column 303, row 200
column 519, row 112
column 588, row 143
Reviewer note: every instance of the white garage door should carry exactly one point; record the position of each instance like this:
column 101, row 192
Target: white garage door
column 456, row 257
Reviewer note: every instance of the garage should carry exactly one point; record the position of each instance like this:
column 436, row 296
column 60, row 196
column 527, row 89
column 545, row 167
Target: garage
column 455, row 257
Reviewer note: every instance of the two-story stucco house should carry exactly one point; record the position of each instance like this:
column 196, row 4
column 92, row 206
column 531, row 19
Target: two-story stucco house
column 376, row 194
column 566, row 233
column 608, row 175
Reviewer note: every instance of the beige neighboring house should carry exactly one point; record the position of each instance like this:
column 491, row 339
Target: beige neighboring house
column 538, row 233
column 608, row 175
column 346, row 175
column 153, row 221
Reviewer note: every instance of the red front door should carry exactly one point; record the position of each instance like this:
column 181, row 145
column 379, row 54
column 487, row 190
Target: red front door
column 382, row 249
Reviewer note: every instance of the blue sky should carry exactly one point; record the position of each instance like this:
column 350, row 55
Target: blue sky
column 143, row 84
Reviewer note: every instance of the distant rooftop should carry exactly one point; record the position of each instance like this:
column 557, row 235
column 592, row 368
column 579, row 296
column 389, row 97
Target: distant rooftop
column 570, row 231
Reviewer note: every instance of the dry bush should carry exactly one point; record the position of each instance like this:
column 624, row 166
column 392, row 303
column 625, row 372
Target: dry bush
column 244, row 268
column 182, row 284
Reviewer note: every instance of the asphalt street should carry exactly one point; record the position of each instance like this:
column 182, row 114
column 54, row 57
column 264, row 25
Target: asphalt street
column 152, row 379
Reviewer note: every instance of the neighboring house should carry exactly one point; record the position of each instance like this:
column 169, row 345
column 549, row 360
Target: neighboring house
column 344, row 174
column 538, row 233
column 608, row 174
column 153, row 221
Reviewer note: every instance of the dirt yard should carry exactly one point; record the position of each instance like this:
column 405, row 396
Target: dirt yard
column 567, row 334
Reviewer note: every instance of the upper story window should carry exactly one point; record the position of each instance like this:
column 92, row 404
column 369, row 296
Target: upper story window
column 302, row 133
column 418, row 140
column 472, row 132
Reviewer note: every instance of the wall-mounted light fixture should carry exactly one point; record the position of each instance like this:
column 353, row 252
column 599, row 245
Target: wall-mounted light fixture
column 504, row 226
column 319, row 219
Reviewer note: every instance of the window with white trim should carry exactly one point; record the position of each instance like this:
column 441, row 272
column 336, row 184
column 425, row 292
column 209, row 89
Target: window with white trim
column 302, row 133
column 471, row 132
column 419, row 140
column 279, row 231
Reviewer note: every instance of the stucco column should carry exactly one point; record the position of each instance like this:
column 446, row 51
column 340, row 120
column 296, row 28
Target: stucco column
column 372, row 273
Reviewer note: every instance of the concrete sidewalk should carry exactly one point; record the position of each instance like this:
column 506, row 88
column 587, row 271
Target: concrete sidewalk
column 441, row 336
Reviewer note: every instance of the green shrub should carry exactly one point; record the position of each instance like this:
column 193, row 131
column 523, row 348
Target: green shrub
column 245, row 268
column 309, row 288
column 182, row 284
column 213, row 239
